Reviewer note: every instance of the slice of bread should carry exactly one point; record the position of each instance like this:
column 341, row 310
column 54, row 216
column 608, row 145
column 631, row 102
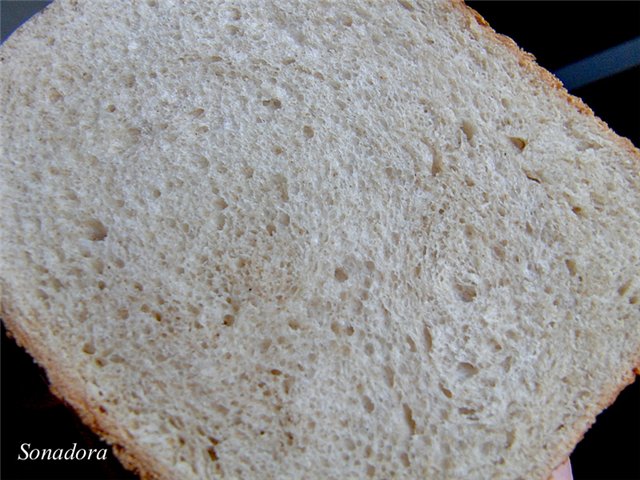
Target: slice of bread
column 284, row 240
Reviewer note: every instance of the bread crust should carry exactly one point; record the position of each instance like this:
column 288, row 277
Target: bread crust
column 64, row 386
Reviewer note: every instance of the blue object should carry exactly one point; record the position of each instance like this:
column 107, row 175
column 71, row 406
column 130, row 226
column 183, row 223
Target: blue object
column 601, row 65
column 14, row 13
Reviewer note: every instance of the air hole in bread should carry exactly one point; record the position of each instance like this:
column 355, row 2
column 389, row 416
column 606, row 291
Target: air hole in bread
column 287, row 384
column 273, row 104
column 234, row 14
column 577, row 210
column 436, row 164
column 283, row 219
column 247, row 171
column 55, row 95
column 511, row 438
column 468, row 129
column 507, row 363
column 428, row 338
column 220, row 221
column 52, row 170
column 242, row 262
column 368, row 404
column 294, row 325
column 513, row 335
column 408, row 5
column 467, row 411
column 212, row 454
column 624, row 288
column 446, row 392
column 519, row 143
column 98, row 266
column 264, row 345
column 96, row 231
column 129, row 81
column 281, row 184
column 469, row 231
column 533, row 177
column 335, row 328
column 571, row 266
column 340, row 274
column 528, row 228
column 466, row 293
column 390, row 173
column 490, row 382
column 466, row 370
column 308, row 131
column 408, row 417
column 499, row 252
column 203, row 162
column 369, row 349
column 349, row 444
column 412, row 344
column 389, row 376
column 487, row 448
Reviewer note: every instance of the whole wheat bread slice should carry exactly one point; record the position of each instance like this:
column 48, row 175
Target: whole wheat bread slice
column 314, row 240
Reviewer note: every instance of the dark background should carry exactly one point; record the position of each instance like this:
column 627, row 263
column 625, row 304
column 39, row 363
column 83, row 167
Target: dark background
column 558, row 34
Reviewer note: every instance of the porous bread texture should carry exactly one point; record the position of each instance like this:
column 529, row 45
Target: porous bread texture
column 284, row 240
